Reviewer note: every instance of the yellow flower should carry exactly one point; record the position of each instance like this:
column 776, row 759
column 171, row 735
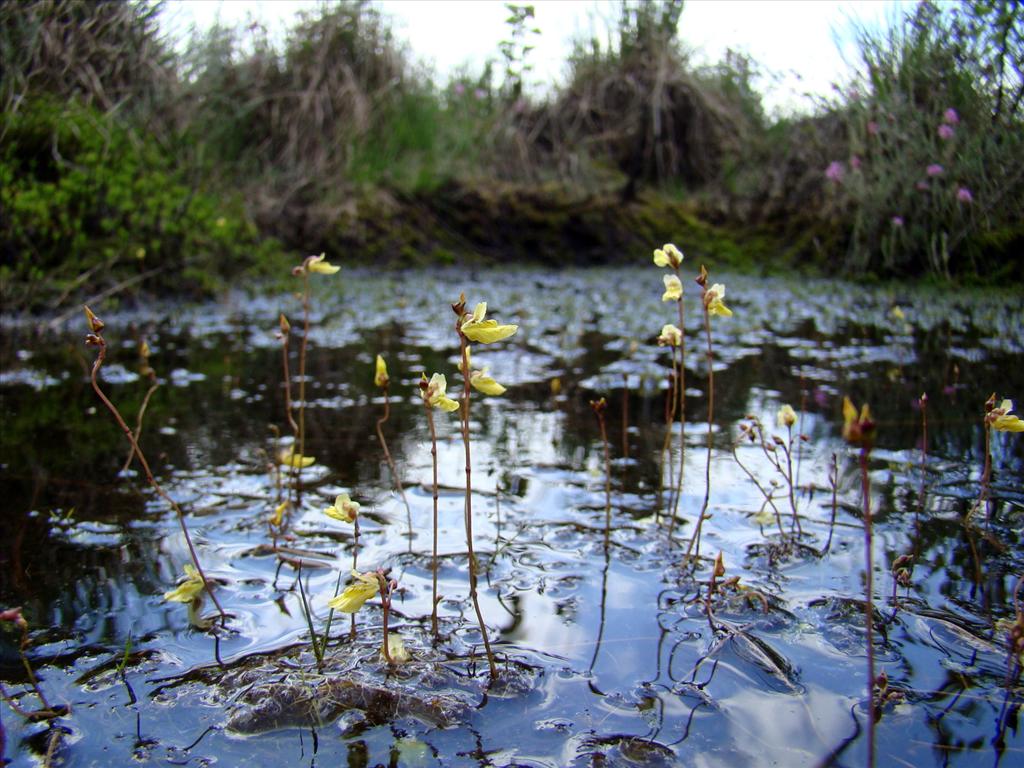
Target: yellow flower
column 713, row 301
column 475, row 328
column 670, row 336
column 289, row 458
column 857, row 429
column 278, row 516
column 319, row 266
column 434, row 393
column 189, row 589
column 787, row 416
column 896, row 313
column 344, row 509
column 1003, row 419
column 673, row 288
column 365, row 586
column 396, row 649
column 380, row 376
column 482, row 382
column 668, row 256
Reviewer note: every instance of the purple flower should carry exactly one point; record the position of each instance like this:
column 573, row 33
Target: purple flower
column 480, row 94
column 897, row 221
column 963, row 194
column 872, row 128
column 934, row 170
column 835, row 172
column 946, row 132
column 950, row 116
column 459, row 89
column 855, row 162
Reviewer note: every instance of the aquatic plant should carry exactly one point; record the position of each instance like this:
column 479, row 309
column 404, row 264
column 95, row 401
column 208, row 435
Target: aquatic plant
column 671, row 257
column 434, row 394
column 712, row 300
column 46, row 711
column 599, row 407
column 315, row 265
column 363, row 587
column 859, row 431
column 347, row 511
column 381, row 381
column 146, row 370
column 999, row 419
column 473, row 326
column 95, row 339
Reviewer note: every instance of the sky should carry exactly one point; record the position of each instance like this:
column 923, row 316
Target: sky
column 805, row 45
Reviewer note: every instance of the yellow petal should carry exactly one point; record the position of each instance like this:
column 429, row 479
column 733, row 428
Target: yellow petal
column 319, row 266
column 1008, row 423
column 447, row 404
column 673, row 288
column 488, row 331
column 660, row 259
column 716, row 307
column 786, row 416
column 355, row 594
column 396, row 649
column 289, row 458
column 344, row 509
column 485, row 383
column 670, row 336
column 849, row 411
column 278, row 515
column 189, row 589
column 380, row 376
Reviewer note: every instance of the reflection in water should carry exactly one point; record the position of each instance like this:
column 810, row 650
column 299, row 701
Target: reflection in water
column 603, row 640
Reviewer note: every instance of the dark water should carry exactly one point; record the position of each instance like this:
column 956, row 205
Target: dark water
column 606, row 651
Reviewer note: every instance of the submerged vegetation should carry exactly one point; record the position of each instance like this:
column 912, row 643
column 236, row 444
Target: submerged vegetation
column 147, row 168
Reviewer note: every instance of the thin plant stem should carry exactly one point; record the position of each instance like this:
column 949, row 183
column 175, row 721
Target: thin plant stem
column 433, row 457
column 302, row 386
column 154, row 385
column 790, row 482
column 767, row 495
column 387, row 456
column 385, row 600
column 681, row 398
column 833, row 479
column 355, row 566
column 318, row 653
column 599, row 407
column 695, row 539
column 869, row 606
column 625, row 415
column 666, row 446
column 100, row 357
column 293, row 470
column 468, row 508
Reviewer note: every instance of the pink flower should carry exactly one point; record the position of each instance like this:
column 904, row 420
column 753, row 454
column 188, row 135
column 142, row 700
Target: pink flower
column 963, row 194
column 855, row 162
column 835, row 172
column 897, row 221
column 946, row 132
column 934, row 170
column 872, row 128
column 950, row 116
column 459, row 89
column 480, row 94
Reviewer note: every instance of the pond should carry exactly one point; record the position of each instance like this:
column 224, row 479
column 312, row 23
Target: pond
column 612, row 646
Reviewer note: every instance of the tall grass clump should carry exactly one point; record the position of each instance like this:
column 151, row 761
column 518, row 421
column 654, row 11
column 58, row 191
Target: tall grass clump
column 933, row 177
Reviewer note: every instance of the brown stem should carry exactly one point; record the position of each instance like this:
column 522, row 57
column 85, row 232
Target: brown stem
column 681, row 396
column 666, row 446
column 833, row 479
column 292, row 470
column 433, row 456
column 607, row 476
column 790, row 482
column 869, row 606
column 695, row 539
column 391, row 462
column 138, row 420
column 625, row 415
column 101, row 356
column 302, row 386
column 468, row 508
column 385, row 600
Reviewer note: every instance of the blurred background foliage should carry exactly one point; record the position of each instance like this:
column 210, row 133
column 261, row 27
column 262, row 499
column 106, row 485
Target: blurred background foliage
column 128, row 164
